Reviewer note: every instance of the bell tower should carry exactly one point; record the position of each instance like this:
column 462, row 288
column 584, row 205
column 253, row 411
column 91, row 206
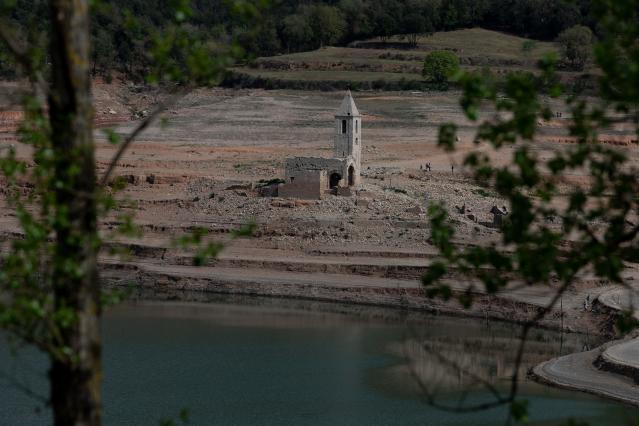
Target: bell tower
column 348, row 136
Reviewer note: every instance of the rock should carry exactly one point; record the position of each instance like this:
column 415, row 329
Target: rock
column 268, row 190
column 304, row 203
column 362, row 202
column 414, row 210
column 155, row 179
column 472, row 217
column 129, row 179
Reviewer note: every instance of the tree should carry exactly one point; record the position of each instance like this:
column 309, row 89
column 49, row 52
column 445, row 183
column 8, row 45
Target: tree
column 595, row 216
column 576, row 46
column 385, row 26
column 357, row 20
column 439, row 66
column 297, row 32
column 49, row 280
column 414, row 25
column 327, row 23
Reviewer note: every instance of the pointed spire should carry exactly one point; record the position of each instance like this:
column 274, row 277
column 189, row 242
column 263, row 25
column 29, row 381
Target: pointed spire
column 348, row 107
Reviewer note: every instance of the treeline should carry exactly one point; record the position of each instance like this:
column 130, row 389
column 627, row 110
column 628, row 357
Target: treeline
column 302, row 25
column 123, row 30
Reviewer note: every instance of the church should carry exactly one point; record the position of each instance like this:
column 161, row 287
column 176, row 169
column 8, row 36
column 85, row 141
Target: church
column 312, row 177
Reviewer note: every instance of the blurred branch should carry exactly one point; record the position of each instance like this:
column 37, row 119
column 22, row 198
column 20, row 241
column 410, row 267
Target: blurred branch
column 20, row 53
column 499, row 398
column 23, row 388
column 141, row 127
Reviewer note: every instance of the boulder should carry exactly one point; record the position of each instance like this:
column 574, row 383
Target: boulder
column 362, row 202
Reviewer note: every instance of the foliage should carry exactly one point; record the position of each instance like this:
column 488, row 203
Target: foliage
column 576, row 46
column 123, row 30
column 440, row 66
column 49, row 278
column 327, row 24
column 596, row 217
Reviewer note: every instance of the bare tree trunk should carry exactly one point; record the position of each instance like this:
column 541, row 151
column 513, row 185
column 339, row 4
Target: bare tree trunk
column 76, row 377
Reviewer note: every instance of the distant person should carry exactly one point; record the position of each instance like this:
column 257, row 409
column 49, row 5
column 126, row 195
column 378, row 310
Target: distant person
column 452, row 169
column 428, row 166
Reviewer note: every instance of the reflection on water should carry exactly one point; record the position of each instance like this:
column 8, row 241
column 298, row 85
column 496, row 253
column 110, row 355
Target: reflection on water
column 236, row 360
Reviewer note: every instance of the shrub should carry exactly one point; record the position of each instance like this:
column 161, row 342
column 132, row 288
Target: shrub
column 576, row 45
column 439, row 66
column 262, row 182
column 397, row 190
column 379, row 84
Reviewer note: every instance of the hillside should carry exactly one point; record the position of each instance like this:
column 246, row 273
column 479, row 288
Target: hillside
column 374, row 63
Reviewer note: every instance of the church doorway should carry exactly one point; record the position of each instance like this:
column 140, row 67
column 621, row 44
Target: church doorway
column 351, row 176
column 334, row 180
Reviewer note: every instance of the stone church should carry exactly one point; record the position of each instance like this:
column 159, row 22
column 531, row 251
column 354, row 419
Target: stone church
column 312, row 177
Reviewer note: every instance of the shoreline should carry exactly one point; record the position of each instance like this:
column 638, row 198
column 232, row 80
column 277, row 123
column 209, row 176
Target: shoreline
column 401, row 298
column 167, row 281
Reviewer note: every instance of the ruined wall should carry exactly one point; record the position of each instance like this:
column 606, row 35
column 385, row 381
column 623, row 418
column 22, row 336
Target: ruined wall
column 302, row 164
column 304, row 184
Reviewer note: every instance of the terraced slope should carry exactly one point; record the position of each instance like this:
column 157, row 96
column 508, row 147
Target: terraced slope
column 392, row 61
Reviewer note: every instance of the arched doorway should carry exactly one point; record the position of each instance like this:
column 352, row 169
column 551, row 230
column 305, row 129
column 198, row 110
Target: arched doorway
column 334, row 180
column 351, row 176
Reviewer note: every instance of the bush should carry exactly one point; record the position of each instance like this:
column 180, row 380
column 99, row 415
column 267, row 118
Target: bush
column 576, row 45
column 439, row 66
column 262, row 182
column 379, row 84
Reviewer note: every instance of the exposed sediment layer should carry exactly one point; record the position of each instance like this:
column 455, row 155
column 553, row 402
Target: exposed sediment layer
column 612, row 370
column 352, row 289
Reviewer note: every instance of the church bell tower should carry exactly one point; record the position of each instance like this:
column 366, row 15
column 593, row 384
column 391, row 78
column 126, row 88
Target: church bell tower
column 348, row 136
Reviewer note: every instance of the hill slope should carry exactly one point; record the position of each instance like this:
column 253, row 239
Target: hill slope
column 373, row 61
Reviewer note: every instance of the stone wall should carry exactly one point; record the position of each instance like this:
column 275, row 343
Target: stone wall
column 299, row 167
column 304, row 184
column 303, row 164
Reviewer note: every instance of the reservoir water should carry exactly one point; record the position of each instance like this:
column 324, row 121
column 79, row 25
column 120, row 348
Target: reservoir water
column 251, row 361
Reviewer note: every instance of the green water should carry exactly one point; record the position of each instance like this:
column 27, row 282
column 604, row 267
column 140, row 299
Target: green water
column 237, row 361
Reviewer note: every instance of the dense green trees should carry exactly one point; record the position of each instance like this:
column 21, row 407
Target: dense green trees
column 122, row 29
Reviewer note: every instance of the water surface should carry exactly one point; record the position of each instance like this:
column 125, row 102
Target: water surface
column 265, row 361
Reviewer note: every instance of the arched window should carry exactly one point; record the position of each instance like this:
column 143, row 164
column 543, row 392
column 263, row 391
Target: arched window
column 356, row 126
column 343, row 126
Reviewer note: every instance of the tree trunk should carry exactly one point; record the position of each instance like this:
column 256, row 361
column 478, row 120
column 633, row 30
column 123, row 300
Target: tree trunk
column 75, row 374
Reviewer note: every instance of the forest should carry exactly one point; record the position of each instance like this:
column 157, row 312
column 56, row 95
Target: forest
column 124, row 31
